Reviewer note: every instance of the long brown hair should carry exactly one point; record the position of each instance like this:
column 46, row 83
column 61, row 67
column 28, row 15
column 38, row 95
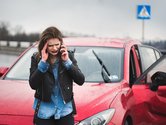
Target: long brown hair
column 48, row 33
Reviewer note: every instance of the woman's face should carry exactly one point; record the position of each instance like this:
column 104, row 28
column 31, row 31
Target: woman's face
column 53, row 46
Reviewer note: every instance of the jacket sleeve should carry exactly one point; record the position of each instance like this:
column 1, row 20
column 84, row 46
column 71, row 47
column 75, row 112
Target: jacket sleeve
column 36, row 76
column 75, row 72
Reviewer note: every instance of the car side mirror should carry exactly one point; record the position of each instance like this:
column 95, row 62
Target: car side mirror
column 3, row 70
column 158, row 79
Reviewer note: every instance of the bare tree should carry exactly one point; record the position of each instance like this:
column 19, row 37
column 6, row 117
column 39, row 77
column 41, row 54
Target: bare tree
column 4, row 32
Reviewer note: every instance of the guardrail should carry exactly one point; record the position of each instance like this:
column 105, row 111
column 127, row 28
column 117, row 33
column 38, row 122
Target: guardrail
column 13, row 47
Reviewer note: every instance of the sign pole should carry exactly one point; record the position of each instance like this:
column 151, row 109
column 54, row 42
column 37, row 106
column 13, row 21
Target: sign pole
column 143, row 30
column 143, row 13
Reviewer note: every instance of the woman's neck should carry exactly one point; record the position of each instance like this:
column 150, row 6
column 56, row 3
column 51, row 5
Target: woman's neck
column 52, row 59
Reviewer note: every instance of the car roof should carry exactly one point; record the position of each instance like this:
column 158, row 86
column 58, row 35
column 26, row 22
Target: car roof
column 97, row 41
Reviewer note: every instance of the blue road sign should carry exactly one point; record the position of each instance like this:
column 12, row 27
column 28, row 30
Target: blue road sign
column 143, row 12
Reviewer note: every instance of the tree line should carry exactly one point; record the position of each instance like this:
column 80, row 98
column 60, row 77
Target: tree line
column 20, row 35
column 160, row 44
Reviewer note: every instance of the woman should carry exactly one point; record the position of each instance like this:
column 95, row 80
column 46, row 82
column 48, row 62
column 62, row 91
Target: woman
column 53, row 70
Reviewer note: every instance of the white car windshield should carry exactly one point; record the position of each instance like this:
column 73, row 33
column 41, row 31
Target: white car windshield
column 112, row 59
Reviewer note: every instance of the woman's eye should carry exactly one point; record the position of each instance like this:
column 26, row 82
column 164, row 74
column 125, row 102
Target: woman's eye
column 56, row 45
column 50, row 45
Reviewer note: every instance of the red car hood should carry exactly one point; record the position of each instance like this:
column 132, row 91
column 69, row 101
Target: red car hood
column 16, row 98
column 93, row 97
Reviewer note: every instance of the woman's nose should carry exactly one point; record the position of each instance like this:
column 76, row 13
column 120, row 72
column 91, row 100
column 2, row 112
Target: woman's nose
column 55, row 47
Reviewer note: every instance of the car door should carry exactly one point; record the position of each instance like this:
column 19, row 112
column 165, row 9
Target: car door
column 141, row 57
column 150, row 106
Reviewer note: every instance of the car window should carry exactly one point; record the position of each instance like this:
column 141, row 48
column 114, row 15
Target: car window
column 21, row 69
column 88, row 63
column 112, row 58
column 148, row 57
column 157, row 54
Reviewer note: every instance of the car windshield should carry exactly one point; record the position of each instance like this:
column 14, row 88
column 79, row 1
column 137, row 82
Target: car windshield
column 112, row 58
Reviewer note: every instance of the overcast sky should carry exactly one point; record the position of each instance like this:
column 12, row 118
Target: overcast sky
column 103, row 18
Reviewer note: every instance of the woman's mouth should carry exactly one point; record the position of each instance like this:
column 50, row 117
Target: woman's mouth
column 54, row 52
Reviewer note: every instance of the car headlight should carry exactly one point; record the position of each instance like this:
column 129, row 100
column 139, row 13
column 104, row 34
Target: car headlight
column 101, row 118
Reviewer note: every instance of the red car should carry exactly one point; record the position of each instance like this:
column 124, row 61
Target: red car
column 117, row 90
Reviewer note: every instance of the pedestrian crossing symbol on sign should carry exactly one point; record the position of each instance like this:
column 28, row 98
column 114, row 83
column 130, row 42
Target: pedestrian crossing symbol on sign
column 143, row 12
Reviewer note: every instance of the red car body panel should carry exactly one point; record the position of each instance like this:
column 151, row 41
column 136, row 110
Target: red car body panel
column 15, row 103
column 151, row 101
column 94, row 97
column 142, row 106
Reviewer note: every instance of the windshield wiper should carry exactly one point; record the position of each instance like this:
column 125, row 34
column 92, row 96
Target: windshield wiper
column 105, row 73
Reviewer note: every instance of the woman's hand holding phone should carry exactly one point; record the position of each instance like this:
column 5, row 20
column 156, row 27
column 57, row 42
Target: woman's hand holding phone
column 64, row 53
column 44, row 53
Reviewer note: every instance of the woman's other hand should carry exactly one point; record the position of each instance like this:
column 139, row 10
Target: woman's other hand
column 44, row 53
